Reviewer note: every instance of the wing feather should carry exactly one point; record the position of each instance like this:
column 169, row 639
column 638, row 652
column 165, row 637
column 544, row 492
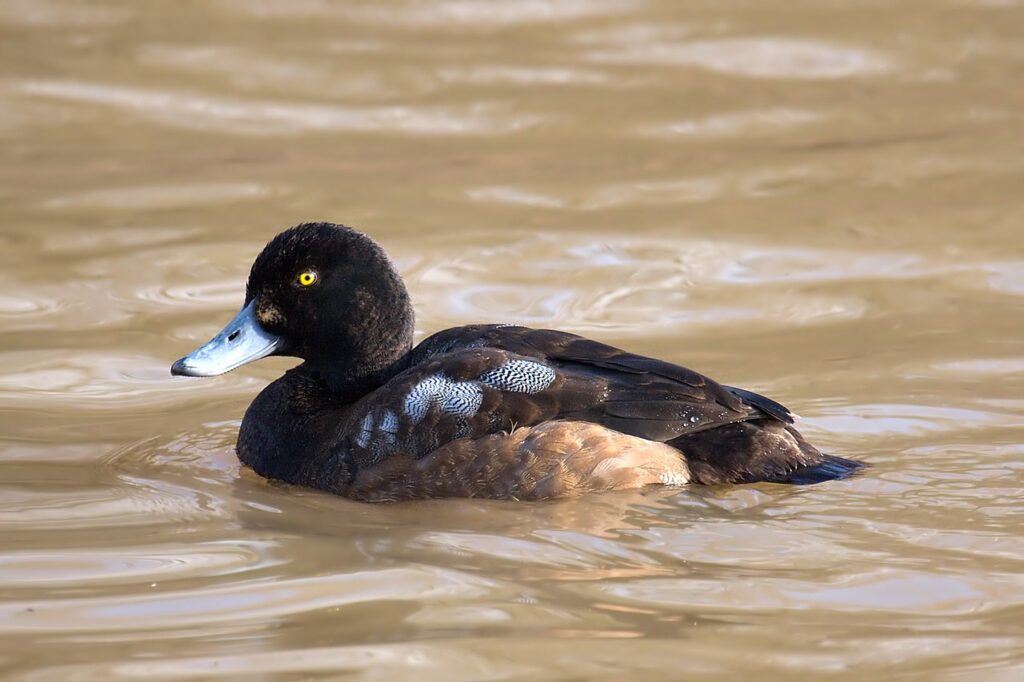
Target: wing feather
column 487, row 379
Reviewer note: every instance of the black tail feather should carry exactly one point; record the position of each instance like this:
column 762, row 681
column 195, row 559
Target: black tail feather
column 829, row 468
column 759, row 450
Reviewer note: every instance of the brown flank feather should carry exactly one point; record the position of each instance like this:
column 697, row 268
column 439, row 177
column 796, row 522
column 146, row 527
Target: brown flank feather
column 551, row 460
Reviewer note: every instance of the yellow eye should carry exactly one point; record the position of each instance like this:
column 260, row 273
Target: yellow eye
column 308, row 278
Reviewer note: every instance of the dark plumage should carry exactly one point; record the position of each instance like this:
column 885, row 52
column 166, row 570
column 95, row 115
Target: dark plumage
column 479, row 411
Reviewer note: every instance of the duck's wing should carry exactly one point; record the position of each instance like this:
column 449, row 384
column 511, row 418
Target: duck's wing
column 647, row 384
column 627, row 371
column 475, row 381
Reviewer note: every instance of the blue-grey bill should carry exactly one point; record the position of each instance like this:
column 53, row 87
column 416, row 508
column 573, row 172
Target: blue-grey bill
column 242, row 340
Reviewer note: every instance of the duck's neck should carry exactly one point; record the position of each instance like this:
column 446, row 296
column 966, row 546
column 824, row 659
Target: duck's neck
column 348, row 382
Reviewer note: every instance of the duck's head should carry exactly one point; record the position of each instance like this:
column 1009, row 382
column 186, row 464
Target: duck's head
column 321, row 292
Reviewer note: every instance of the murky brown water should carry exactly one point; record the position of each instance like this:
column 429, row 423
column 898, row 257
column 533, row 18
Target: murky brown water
column 821, row 201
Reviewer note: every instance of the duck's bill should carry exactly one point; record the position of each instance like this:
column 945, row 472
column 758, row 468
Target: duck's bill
column 242, row 340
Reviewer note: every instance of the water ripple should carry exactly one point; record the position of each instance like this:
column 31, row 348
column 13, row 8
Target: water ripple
column 760, row 57
column 647, row 282
column 473, row 15
column 187, row 110
column 113, row 566
column 763, row 121
column 392, row 661
column 159, row 196
column 257, row 600
column 122, row 504
column 98, row 381
column 890, row 590
column 253, row 70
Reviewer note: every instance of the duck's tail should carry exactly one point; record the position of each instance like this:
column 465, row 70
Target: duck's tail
column 829, row 468
column 758, row 450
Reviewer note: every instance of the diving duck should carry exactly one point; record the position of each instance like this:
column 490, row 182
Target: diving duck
column 490, row 410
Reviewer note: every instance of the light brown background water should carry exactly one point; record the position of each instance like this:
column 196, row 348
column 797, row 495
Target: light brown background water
column 817, row 200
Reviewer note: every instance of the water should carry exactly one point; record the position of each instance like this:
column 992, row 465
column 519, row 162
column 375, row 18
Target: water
column 820, row 202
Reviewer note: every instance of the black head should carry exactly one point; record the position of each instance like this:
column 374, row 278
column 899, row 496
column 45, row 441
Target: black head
column 322, row 292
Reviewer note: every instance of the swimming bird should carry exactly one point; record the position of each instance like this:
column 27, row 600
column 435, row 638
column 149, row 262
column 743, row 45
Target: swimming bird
column 488, row 410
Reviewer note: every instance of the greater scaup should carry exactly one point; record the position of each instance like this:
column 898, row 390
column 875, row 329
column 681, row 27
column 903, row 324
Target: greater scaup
column 496, row 411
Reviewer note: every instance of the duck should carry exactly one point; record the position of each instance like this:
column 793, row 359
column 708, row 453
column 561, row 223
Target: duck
column 496, row 411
